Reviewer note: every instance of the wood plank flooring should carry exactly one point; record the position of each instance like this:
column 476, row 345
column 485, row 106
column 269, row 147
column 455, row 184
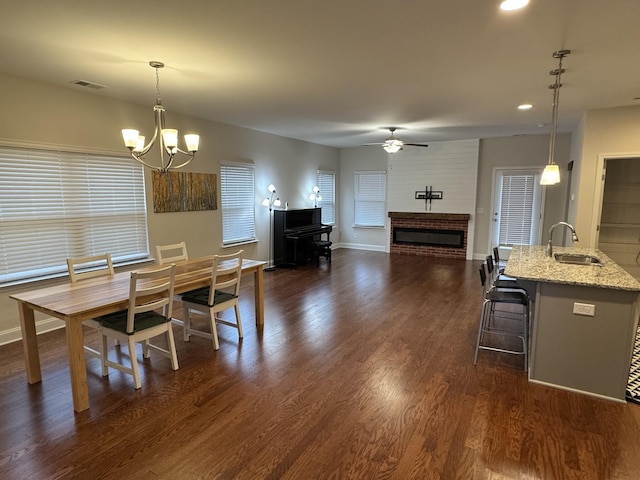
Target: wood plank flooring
column 364, row 370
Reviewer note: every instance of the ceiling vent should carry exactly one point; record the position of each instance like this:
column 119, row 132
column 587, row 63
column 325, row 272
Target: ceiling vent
column 84, row 83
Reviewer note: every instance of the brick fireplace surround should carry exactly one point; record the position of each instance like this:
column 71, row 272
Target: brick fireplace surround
column 435, row 221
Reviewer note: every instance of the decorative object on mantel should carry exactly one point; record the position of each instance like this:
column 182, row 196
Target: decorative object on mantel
column 167, row 137
column 428, row 195
column 271, row 201
column 551, row 173
column 184, row 191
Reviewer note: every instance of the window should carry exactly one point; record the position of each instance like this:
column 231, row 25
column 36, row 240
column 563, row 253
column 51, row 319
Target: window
column 327, row 186
column 518, row 208
column 55, row 205
column 370, row 194
column 237, row 192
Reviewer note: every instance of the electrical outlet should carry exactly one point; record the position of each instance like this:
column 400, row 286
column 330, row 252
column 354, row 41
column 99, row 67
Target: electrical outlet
column 584, row 309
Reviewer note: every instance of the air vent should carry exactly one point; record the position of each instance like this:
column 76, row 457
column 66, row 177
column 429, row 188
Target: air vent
column 84, row 83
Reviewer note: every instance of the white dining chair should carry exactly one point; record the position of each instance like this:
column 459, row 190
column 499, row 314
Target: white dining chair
column 149, row 291
column 89, row 267
column 221, row 295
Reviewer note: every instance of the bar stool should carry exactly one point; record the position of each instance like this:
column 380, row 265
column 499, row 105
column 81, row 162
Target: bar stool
column 322, row 248
column 492, row 319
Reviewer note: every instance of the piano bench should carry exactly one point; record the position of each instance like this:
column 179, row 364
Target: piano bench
column 322, row 248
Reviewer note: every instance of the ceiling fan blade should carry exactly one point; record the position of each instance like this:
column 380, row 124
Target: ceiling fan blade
column 372, row 144
column 417, row 144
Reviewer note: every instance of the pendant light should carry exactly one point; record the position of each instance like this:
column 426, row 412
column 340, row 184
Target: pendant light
column 551, row 173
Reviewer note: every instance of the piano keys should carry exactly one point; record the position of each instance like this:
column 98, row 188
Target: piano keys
column 294, row 232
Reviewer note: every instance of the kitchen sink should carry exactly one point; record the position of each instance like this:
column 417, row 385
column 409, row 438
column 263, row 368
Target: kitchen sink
column 577, row 259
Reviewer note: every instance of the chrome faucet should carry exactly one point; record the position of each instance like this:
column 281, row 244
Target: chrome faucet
column 574, row 237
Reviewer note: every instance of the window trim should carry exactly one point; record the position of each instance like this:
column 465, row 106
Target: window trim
column 247, row 199
column 332, row 200
column 382, row 201
column 70, row 174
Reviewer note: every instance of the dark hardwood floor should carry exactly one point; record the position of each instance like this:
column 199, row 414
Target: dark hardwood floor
column 364, row 370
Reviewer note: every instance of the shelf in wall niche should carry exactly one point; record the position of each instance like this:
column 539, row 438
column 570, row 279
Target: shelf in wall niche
column 620, row 225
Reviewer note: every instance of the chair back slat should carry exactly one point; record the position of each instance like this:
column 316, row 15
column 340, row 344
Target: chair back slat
column 226, row 273
column 175, row 252
column 150, row 290
column 483, row 276
column 89, row 267
column 496, row 255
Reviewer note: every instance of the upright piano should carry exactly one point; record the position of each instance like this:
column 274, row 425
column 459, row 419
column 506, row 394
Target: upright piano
column 294, row 231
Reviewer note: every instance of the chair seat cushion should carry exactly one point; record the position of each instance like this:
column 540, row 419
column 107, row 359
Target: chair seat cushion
column 201, row 296
column 118, row 321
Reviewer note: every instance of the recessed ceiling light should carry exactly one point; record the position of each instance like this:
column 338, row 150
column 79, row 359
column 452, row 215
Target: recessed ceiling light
column 525, row 106
column 513, row 4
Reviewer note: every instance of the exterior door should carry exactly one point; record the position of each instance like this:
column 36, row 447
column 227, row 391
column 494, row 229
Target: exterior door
column 517, row 208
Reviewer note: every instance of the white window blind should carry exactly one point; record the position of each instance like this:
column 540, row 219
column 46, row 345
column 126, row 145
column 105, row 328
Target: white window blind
column 55, row 205
column 326, row 184
column 237, row 192
column 517, row 209
column 370, row 196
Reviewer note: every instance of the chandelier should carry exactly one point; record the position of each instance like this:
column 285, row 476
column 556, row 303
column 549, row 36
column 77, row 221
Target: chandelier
column 167, row 138
column 551, row 173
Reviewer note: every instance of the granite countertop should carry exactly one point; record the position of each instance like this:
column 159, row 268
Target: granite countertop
column 530, row 262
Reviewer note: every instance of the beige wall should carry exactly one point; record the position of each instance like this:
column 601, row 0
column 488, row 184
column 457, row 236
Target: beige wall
column 352, row 160
column 602, row 133
column 519, row 151
column 55, row 116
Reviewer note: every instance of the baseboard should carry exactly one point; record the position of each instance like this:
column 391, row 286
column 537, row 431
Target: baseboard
column 575, row 390
column 43, row 326
column 361, row 246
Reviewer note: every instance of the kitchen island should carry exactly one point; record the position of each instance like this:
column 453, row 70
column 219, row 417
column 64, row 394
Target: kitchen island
column 584, row 320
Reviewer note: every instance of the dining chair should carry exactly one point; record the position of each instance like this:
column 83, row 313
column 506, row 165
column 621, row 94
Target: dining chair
column 175, row 252
column 89, row 267
column 171, row 253
column 500, row 322
column 221, row 295
column 149, row 291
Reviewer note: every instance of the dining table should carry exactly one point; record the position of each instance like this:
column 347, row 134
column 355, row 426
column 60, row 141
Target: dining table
column 75, row 302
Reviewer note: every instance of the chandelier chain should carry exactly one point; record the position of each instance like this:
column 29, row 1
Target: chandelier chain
column 158, row 99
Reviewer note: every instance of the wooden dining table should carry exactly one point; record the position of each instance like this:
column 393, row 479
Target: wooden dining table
column 75, row 302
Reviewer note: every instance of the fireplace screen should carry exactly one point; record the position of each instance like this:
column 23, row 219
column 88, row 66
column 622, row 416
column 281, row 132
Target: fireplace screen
column 429, row 237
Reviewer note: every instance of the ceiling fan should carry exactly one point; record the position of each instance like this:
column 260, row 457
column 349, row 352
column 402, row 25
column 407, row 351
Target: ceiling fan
column 393, row 144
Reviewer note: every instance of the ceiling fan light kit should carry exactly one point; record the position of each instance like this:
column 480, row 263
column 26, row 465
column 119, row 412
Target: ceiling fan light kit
column 393, row 144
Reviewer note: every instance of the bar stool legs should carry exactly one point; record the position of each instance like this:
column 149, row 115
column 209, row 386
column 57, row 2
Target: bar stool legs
column 492, row 319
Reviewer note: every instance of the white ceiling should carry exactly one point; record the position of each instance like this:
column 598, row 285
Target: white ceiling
column 337, row 72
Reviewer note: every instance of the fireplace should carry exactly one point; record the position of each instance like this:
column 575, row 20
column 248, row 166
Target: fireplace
column 429, row 234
